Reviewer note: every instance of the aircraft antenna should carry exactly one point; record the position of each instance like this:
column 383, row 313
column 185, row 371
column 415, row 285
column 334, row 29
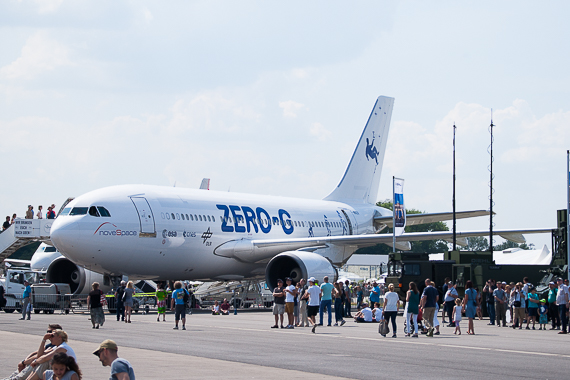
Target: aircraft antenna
column 453, row 198
column 491, row 190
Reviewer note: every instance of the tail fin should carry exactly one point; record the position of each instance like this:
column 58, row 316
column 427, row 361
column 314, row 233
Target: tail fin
column 362, row 177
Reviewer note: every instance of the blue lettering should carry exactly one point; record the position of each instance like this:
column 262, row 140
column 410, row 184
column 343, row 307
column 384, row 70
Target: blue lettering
column 237, row 218
column 249, row 218
column 261, row 212
column 286, row 224
column 225, row 218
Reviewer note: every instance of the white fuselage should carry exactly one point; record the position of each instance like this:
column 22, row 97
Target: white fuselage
column 166, row 232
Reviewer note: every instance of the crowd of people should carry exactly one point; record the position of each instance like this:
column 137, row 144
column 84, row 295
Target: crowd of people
column 512, row 305
column 30, row 214
column 56, row 360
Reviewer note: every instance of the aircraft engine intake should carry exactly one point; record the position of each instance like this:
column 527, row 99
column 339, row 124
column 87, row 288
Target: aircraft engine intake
column 61, row 270
column 298, row 265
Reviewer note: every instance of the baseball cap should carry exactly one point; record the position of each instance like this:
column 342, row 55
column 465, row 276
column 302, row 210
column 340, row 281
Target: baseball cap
column 288, row 279
column 108, row 343
column 551, row 283
column 279, row 280
column 312, row 279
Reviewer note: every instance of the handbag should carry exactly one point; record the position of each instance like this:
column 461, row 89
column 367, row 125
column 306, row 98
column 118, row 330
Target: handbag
column 383, row 328
column 103, row 299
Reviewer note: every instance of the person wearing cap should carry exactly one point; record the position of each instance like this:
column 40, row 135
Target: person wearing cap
column 30, row 212
column 562, row 299
column 552, row 307
column 26, row 305
column 290, row 293
column 121, row 369
column 313, row 296
column 278, row 304
column 542, row 315
column 500, row 304
column 326, row 301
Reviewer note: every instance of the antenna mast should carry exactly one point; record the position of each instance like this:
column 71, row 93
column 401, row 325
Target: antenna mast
column 491, row 190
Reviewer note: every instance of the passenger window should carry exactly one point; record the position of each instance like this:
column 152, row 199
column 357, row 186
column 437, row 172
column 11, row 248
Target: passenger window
column 182, row 216
column 195, row 217
column 172, row 215
column 209, row 220
column 187, row 218
column 103, row 211
column 168, row 216
column 200, row 217
column 213, row 218
column 93, row 211
column 78, row 211
column 178, row 216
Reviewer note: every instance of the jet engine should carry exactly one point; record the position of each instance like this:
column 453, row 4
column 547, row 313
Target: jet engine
column 61, row 270
column 298, row 265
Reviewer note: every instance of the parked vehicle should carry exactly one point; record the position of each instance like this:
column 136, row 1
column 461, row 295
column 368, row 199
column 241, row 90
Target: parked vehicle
column 51, row 297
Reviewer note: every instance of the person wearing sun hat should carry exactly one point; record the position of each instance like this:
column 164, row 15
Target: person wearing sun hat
column 121, row 369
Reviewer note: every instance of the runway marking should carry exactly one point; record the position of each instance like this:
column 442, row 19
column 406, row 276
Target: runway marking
column 387, row 340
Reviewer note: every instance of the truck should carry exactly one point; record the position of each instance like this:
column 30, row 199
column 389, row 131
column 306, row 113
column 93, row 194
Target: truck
column 13, row 283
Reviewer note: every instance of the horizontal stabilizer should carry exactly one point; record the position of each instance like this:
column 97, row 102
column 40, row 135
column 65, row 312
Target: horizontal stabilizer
column 514, row 237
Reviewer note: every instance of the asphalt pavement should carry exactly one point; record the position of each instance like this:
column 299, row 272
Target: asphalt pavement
column 244, row 346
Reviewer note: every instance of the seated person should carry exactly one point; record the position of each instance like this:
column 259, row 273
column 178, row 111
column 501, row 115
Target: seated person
column 225, row 307
column 364, row 315
column 377, row 312
column 59, row 339
column 24, row 367
column 216, row 308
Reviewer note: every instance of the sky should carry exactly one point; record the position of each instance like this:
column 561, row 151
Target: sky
column 271, row 98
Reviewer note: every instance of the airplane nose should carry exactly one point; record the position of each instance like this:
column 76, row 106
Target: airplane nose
column 63, row 234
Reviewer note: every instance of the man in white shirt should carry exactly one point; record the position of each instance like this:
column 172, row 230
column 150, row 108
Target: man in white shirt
column 290, row 292
column 364, row 315
column 562, row 300
column 314, row 303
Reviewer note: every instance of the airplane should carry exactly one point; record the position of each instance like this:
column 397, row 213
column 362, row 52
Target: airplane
column 162, row 233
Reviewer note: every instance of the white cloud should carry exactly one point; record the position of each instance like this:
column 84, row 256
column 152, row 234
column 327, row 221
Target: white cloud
column 47, row 6
column 320, row 132
column 39, row 54
column 290, row 108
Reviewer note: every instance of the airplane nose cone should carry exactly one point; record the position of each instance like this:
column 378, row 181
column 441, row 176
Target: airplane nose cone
column 63, row 234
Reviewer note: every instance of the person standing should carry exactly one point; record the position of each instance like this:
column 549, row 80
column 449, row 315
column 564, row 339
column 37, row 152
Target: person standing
column 348, row 299
column 26, row 305
column 359, row 297
column 314, row 301
column 303, row 298
column 128, row 301
column 500, row 304
column 13, row 220
column 338, row 307
column 413, row 303
column 6, row 224
column 121, row 369
column 178, row 301
column 160, row 303
column 391, row 307
column 519, row 305
column 470, row 305
column 278, row 304
column 457, row 311
column 490, row 300
column 449, row 301
column 326, row 300
column 290, row 292
column 374, row 293
column 552, row 307
column 444, row 289
column 95, row 307
column 430, row 297
column 39, row 215
column 562, row 299
column 30, row 212
column 51, row 212
column 119, row 294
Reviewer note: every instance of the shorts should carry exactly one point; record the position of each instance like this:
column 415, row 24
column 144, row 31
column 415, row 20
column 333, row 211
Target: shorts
column 312, row 311
column 289, row 307
column 180, row 312
column 278, row 309
column 533, row 311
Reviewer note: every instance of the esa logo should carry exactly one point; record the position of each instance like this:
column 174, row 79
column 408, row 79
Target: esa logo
column 245, row 219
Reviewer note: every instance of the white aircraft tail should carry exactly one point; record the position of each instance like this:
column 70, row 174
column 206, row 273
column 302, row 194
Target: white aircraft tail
column 362, row 177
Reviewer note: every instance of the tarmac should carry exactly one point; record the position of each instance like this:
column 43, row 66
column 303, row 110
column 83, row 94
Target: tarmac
column 244, row 346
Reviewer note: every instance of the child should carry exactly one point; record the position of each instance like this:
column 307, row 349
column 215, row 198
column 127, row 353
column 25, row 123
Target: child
column 457, row 310
column 63, row 367
column 543, row 313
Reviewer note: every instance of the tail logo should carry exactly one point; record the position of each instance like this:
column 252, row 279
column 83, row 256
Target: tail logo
column 371, row 151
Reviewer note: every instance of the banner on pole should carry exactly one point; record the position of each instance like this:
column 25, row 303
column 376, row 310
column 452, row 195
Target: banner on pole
column 399, row 209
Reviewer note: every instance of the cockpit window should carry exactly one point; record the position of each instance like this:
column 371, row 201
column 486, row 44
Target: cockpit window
column 93, row 211
column 103, row 211
column 65, row 211
column 78, row 211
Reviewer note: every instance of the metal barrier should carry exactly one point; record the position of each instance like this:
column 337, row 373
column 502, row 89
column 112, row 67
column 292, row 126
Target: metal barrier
column 50, row 303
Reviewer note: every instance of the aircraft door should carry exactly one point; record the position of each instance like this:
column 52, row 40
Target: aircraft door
column 348, row 222
column 146, row 217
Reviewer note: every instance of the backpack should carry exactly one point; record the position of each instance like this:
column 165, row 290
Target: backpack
column 186, row 296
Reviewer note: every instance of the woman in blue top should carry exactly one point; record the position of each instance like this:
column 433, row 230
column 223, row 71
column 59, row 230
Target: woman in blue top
column 533, row 304
column 470, row 305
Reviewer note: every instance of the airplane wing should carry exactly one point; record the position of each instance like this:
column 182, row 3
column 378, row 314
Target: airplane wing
column 257, row 250
column 414, row 219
